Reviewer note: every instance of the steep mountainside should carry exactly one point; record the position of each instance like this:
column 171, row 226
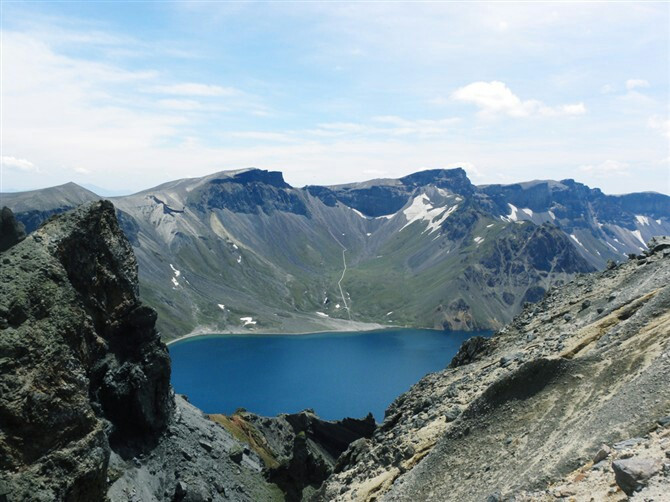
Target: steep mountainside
column 243, row 250
column 524, row 415
column 85, row 396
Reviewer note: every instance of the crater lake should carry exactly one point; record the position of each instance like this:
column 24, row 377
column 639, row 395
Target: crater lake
column 336, row 374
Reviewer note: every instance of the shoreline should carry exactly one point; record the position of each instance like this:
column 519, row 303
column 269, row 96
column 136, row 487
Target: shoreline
column 372, row 327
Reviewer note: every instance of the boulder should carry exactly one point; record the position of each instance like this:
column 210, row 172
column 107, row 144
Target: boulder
column 632, row 474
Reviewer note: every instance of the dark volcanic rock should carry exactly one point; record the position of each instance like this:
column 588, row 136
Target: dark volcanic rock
column 304, row 447
column 11, row 231
column 86, row 408
column 472, row 349
column 80, row 360
column 631, row 474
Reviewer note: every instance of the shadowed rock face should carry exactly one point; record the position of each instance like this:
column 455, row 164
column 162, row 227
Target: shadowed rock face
column 11, row 231
column 81, row 363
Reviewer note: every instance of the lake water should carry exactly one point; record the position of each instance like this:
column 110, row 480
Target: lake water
column 337, row 374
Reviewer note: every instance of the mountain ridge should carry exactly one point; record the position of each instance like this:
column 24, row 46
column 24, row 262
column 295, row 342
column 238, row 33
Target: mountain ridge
column 243, row 250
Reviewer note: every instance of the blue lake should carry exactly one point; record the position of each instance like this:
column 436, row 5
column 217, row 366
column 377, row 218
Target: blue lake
column 337, row 374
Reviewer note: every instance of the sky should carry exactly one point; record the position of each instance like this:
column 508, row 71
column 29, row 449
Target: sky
column 122, row 96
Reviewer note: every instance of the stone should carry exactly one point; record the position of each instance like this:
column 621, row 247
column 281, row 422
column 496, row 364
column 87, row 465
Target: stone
column 628, row 443
column 602, row 454
column 632, row 474
column 452, row 414
column 664, row 421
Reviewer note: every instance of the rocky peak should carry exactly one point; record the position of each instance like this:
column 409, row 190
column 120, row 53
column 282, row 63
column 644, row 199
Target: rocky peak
column 272, row 178
column 82, row 366
column 455, row 180
column 11, row 231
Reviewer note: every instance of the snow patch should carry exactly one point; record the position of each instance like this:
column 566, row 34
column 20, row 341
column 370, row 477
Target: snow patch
column 175, row 282
column 615, row 249
column 642, row 220
column 478, row 240
column 389, row 313
column 239, row 259
column 358, row 213
column 368, row 234
column 529, row 212
column 552, row 215
column 489, row 226
column 235, row 246
column 177, row 273
column 337, row 306
column 322, row 314
column 658, row 221
column 512, row 216
column 248, row 321
column 422, row 209
column 221, row 306
column 574, row 238
column 638, row 235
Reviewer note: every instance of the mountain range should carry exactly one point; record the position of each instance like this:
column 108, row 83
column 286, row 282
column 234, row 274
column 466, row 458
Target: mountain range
column 244, row 251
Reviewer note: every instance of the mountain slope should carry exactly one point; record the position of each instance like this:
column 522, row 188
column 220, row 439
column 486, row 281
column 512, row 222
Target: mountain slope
column 521, row 415
column 36, row 206
column 243, row 250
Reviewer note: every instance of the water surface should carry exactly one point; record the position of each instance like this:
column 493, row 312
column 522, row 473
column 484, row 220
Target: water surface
column 336, row 374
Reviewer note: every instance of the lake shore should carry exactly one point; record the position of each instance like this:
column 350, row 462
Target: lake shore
column 334, row 326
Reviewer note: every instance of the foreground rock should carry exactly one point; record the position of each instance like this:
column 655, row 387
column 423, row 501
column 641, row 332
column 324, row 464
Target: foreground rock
column 299, row 450
column 85, row 379
column 515, row 416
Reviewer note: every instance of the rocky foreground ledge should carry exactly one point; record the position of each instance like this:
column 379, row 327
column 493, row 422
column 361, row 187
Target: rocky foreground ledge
column 571, row 401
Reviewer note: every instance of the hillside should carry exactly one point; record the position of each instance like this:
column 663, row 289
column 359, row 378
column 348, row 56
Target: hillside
column 244, row 251
column 523, row 415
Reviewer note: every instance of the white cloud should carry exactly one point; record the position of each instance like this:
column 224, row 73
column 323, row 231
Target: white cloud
column 82, row 170
column 18, row 164
column 263, row 136
column 634, row 83
column 195, row 89
column 186, row 105
column 495, row 98
column 606, row 168
column 660, row 124
column 388, row 125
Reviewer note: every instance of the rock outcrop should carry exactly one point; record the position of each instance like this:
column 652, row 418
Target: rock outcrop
column 11, row 231
column 520, row 416
column 299, row 450
column 85, row 392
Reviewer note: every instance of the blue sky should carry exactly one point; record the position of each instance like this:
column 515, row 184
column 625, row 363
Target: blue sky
column 126, row 95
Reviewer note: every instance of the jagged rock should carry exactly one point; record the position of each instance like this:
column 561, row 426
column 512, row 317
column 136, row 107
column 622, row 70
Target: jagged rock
column 470, row 350
column 81, row 358
column 11, row 231
column 86, row 408
column 632, row 474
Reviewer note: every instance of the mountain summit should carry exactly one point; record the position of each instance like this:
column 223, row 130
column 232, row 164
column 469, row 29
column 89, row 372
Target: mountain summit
column 243, row 250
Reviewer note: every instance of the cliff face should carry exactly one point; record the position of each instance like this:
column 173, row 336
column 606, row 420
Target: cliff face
column 86, row 408
column 81, row 364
